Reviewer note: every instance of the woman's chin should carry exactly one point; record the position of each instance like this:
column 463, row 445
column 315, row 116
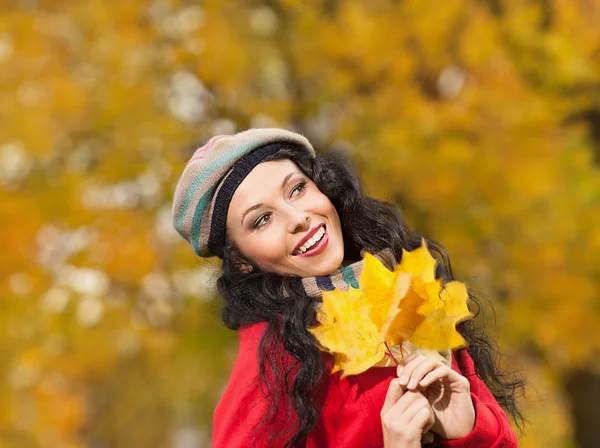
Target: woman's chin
column 319, row 268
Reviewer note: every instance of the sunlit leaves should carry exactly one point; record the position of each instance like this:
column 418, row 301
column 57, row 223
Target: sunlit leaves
column 501, row 171
column 359, row 326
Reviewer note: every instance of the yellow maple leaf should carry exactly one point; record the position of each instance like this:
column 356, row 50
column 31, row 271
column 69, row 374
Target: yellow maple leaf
column 376, row 282
column 408, row 305
column 441, row 308
column 418, row 262
column 347, row 333
column 421, row 265
column 441, row 312
column 405, row 320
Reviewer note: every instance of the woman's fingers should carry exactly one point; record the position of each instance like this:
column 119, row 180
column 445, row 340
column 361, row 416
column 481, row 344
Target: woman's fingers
column 407, row 360
column 458, row 382
column 416, row 368
column 425, row 367
column 392, row 396
column 409, row 397
column 407, row 366
column 423, row 418
column 434, row 375
column 438, row 373
column 407, row 419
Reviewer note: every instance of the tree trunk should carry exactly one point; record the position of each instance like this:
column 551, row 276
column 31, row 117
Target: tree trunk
column 583, row 388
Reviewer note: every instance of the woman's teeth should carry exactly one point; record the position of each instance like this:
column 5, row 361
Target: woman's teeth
column 313, row 240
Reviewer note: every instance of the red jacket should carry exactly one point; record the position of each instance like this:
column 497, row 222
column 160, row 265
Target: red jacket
column 350, row 416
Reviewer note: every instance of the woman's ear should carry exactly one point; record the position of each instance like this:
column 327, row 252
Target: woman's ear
column 242, row 264
column 238, row 259
column 244, row 267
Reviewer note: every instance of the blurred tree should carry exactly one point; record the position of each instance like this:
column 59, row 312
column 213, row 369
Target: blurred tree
column 479, row 118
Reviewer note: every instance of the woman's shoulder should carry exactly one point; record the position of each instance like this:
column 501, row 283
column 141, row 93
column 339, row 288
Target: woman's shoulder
column 462, row 362
column 253, row 333
column 249, row 338
column 245, row 399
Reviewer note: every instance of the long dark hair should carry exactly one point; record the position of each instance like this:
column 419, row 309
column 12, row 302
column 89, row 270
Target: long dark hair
column 292, row 370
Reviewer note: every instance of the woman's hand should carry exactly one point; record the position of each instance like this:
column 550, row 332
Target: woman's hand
column 447, row 391
column 405, row 417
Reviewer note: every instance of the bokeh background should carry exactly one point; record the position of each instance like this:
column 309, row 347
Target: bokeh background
column 480, row 118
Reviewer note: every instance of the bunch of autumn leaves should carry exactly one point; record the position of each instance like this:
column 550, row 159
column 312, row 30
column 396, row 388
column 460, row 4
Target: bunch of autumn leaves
column 363, row 327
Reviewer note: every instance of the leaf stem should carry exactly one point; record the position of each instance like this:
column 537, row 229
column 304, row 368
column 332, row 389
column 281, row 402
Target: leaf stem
column 390, row 354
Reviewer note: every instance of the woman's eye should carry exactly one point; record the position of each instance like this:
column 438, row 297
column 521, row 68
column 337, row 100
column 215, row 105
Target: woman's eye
column 261, row 221
column 299, row 188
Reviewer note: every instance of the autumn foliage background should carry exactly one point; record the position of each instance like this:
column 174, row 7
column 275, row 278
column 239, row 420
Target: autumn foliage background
column 480, row 118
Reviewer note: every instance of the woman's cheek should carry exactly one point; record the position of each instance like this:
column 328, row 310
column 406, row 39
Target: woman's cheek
column 270, row 245
column 320, row 203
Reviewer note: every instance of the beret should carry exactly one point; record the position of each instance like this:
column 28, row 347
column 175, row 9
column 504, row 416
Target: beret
column 211, row 176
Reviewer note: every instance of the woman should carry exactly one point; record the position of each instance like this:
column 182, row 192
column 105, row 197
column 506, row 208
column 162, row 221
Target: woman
column 288, row 224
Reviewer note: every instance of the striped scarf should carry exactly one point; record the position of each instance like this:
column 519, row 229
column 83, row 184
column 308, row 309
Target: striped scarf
column 344, row 277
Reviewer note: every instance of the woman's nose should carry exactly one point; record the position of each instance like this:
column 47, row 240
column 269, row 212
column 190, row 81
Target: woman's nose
column 300, row 221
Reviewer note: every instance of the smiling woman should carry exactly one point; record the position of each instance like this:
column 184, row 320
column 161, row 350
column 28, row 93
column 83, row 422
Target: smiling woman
column 285, row 225
column 288, row 224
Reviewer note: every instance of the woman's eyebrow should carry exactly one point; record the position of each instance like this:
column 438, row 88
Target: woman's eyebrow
column 251, row 209
column 254, row 207
column 286, row 179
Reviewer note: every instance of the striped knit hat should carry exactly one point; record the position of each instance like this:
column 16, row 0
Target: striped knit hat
column 212, row 175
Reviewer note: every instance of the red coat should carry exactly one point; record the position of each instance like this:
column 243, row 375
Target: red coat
column 351, row 414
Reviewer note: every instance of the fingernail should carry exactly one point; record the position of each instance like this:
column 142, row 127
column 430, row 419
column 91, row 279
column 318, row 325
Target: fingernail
column 411, row 385
column 399, row 370
column 403, row 380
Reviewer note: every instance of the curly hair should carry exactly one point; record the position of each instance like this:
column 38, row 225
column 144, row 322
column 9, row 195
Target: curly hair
column 292, row 369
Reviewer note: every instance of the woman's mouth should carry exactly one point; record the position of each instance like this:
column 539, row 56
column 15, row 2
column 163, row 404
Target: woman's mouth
column 315, row 244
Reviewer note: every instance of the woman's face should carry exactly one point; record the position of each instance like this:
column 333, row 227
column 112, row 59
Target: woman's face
column 280, row 220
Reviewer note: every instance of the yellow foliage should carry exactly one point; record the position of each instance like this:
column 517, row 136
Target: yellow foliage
column 360, row 326
column 476, row 117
